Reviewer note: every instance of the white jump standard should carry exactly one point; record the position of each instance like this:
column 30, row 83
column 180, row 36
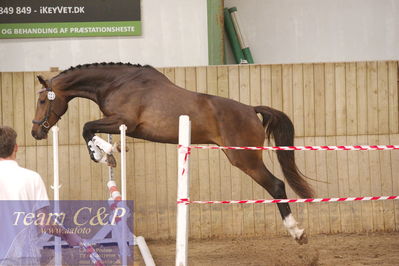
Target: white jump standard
column 121, row 229
column 289, row 221
column 57, row 243
column 183, row 191
column 120, row 233
column 56, row 187
column 183, row 197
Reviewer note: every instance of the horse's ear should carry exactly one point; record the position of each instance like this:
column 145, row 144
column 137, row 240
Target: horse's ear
column 42, row 81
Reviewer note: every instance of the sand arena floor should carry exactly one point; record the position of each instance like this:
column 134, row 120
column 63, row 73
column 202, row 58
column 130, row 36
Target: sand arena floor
column 342, row 249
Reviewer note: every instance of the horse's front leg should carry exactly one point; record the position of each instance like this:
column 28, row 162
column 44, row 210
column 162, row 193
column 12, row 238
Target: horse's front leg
column 96, row 145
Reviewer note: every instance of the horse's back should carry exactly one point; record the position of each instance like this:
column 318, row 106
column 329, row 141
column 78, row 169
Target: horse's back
column 238, row 123
column 156, row 105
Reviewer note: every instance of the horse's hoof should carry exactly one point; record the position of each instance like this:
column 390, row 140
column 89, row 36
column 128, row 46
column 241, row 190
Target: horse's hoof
column 119, row 148
column 111, row 160
column 94, row 158
column 303, row 239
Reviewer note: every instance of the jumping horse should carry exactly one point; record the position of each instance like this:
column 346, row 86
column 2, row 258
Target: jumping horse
column 149, row 104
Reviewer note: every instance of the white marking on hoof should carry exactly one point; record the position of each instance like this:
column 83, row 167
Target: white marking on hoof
column 291, row 224
column 102, row 144
column 95, row 150
column 104, row 160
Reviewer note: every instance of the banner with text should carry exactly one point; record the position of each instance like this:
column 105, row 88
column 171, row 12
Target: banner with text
column 80, row 233
column 69, row 18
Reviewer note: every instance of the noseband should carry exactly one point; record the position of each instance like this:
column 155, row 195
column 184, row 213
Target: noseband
column 51, row 97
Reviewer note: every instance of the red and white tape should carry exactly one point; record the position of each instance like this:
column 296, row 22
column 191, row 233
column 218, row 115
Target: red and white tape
column 93, row 255
column 114, row 191
column 187, row 201
column 187, row 152
column 305, row 148
column 115, row 197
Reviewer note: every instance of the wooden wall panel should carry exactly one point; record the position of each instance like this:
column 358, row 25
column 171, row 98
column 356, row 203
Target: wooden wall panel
column 29, row 105
column 150, row 187
column 372, row 98
column 361, row 85
column 171, row 155
column 386, row 185
column 161, row 191
column 308, row 100
column 214, row 163
column 393, row 97
column 343, row 187
column 195, row 213
column 340, row 97
column 351, row 98
column 383, row 106
column 246, row 182
column 329, row 79
column 258, row 191
column 395, row 178
column 354, row 180
column 321, row 187
column 302, row 212
column 287, row 90
column 7, row 100
column 234, row 93
column 271, row 212
column 333, row 188
column 298, row 118
column 365, row 186
column 320, row 100
column 17, row 98
column 203, row 167
column 225, row 166
column 310, row 170
column 329, row 103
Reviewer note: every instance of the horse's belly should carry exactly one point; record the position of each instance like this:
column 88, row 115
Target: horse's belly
column 169, row 133
column 155, row 134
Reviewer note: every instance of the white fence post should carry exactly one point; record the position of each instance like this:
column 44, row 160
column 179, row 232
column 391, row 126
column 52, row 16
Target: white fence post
column 56, row 188
column 183, row 191
column 123, row 128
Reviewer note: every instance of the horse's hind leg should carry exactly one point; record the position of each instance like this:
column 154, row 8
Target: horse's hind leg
column 251, row 163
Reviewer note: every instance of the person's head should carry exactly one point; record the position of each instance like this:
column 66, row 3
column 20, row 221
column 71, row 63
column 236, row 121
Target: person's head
column 8, row 142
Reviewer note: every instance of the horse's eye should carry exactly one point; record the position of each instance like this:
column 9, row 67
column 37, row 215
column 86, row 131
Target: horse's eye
column 42, row 101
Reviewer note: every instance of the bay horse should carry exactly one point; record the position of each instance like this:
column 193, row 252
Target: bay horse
column 149, row 104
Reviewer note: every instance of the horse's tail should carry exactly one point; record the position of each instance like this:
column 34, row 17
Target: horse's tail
column 280, row 126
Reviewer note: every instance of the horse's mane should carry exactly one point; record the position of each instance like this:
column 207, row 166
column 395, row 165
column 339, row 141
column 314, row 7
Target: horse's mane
column 93, row 65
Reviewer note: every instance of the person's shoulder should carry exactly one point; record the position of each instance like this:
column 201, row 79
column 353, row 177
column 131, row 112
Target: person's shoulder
column 28, row 172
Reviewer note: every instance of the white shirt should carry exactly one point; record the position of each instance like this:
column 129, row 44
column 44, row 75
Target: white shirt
column 18, row 183
column 21, row 191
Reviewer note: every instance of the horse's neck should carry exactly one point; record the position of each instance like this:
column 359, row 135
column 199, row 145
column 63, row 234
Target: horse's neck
column 79, row 87
column 93, row 83
column 87, row 93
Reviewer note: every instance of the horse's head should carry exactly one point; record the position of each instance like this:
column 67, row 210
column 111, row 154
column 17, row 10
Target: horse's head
column 50, row 107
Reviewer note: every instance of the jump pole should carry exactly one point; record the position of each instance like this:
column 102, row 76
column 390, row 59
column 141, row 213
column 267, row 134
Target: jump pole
column 123, row 128
column 183, row 191
column 57, row 243
column 140, row 241
column 56, row 187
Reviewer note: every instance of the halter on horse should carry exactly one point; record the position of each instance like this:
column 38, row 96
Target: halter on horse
column 149, row 104
column 51, row 97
